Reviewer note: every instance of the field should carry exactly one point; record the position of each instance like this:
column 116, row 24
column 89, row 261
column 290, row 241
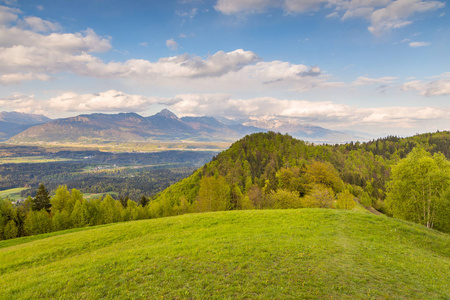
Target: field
column 269, row 254
column 12, row 194
column 90, row 196
column 30, row 160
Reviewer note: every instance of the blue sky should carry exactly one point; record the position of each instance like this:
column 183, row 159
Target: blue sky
column 379, row 66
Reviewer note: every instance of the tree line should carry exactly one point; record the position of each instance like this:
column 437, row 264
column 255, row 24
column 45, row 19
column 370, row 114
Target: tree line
column 65, row 209
column 408, row 179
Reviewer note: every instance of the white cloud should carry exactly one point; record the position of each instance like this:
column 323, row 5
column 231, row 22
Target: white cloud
column 38, row 25
column 396, row 14
column 34, row 53
column 419, row 44
column 362, row 80
column 187, row 14
column 438, row 87
column 323, row 113
column 332, row 15
column 8, row 14
column 109, row 101
column 383, row 15
column 19, row 77
column 171, row 44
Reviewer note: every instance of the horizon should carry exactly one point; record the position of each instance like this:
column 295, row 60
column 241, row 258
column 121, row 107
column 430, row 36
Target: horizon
column 379, row 67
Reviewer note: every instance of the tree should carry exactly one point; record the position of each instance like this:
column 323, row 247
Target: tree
column 320, row 196
column 38, row 222
column 62, row 196
column 283, row 198
column 42, row 199
column 8, row 218
column 419, row 187
column 144, row 201
column 345, row 200
column 214, row 194
column 323, row 173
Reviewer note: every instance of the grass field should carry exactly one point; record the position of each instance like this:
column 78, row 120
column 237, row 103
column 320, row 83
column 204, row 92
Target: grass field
column 29, row 160
column 89, row 196
column 153, row 146
column 12, row 194
column 271, row 254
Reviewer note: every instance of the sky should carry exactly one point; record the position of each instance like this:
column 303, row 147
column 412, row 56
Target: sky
column 375, row 66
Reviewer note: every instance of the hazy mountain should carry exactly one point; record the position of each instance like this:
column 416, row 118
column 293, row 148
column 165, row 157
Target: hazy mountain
column 12, row 123
column 127, row 127
column 166, row 126
column 302, row 131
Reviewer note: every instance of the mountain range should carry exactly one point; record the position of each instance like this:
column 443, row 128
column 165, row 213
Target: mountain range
column 163, row 126
column 12, row 123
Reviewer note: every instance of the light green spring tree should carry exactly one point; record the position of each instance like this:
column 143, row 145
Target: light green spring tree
column 419, row 189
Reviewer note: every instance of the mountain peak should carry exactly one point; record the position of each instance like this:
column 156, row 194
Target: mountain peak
column 22, row 118
column 167, row 114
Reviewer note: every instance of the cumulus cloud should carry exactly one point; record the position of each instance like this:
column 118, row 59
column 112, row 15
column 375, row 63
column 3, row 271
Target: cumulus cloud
column 112, row 100
column 39, row 25
column 437, row 87
column 19, row 77
column 324, row 112
column 109, row 101
column 171, row 44
column 419, row 44
column 31, row 51
column 383, row 15
column 8, row 14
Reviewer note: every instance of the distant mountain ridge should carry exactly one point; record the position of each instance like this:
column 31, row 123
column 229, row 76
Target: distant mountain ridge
column 12, row 123
column 130, row 127
column 166, row 126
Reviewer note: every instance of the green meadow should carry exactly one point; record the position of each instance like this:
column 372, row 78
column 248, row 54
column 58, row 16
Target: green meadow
column 258, row 254
column 12, row 194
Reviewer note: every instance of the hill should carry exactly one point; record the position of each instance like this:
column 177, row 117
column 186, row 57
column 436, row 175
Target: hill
column 269, row 254
column 12, row 123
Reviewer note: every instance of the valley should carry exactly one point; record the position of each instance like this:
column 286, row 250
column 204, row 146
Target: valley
column 94, row 171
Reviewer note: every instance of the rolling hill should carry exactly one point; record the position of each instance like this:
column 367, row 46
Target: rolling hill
column 262, row 254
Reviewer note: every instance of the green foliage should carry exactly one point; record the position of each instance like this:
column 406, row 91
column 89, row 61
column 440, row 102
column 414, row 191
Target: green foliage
column 38, row 222
column 214, row 194
column 366, row 200
column 418, row 189
column 320, row 196
column 284, row 199
column 345, row 200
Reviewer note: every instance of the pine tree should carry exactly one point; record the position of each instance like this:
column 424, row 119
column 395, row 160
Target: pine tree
column 42, row 199
column 144, row 201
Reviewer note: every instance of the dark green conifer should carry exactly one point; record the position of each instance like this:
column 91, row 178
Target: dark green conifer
column 42, row 199
column 144, row 201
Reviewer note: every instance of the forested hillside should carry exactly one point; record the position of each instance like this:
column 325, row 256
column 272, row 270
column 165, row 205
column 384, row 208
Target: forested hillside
column 405, row 178
column 270, row 170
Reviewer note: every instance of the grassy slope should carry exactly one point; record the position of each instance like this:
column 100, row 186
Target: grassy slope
column 12, row 194
column 308, row 253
